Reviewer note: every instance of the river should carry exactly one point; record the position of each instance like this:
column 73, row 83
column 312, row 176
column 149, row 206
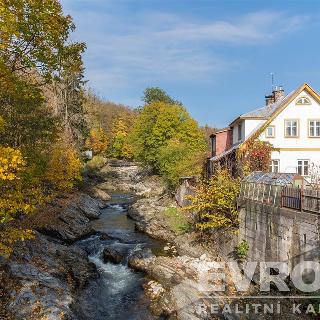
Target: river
column 117, row 293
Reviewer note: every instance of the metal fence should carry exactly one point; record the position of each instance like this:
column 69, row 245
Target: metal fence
column 261, row 192
column 282, row 196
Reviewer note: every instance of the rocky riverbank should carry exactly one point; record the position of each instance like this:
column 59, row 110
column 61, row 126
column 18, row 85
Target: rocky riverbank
column 43, row 275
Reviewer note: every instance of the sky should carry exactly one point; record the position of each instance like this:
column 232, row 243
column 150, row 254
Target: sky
column 215, row 56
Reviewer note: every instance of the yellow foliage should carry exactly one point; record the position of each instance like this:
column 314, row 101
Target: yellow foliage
column 97, row 141
column 64, row 167
column 216, row 201
column 120, row 147
column 2, row 124
column 10, row 236
column 11, row 162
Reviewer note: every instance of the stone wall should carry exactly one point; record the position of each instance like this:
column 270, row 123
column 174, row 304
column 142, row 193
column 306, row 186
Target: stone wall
column 279, row 234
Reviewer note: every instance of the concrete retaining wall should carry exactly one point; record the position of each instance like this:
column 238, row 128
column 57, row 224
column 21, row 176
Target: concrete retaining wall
column 279, row 234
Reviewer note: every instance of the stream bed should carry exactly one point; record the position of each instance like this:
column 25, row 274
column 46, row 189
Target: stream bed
column 117, row 293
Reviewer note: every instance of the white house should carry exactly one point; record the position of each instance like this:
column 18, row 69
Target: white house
column 290, row 123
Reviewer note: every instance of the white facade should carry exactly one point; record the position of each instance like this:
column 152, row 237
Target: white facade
column 294, row 131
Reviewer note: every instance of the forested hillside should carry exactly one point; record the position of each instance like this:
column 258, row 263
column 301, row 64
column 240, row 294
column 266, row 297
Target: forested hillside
column 48, row 118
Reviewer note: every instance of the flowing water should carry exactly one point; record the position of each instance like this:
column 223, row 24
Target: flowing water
column 117, row 294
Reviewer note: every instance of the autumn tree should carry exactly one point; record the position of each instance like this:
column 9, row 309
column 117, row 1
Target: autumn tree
column 33, row 34
column 255, row 155
column 105, row 114
column 120, row 147
column 97, row 141
column 12, row 201
column 64, row 167
column 215, row 201
column 34, row 52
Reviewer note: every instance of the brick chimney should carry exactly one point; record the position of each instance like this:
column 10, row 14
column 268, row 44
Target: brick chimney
column 277, row 94
column 269, row 100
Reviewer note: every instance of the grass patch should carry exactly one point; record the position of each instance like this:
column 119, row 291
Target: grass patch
column 95, row 164
column 177, row 220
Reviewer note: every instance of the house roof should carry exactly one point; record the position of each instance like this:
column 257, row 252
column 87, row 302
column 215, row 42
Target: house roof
column 265, row 112
column 268, row 113
column 225, row 153
column 280, row 179
column 279, row 106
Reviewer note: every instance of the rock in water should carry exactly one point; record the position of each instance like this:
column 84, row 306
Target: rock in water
column 100, row 194
column 141, row 259
column 112, row 255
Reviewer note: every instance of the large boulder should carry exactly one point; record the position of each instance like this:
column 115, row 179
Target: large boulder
column 112, row 255
column 89, row 206
column 177, row 286
column 100, row 194
column 185, row 189
column 149, row 218
column 67, row 218
column 43, row 278
column 141, row 259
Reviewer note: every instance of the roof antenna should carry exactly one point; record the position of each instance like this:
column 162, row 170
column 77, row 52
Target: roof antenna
column 272, row 81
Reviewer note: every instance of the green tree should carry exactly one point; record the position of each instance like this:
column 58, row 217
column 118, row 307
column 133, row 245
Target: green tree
column 167, row 138
column 155, row 94
column 33, row 34
column 66, row 94
column 177, row 159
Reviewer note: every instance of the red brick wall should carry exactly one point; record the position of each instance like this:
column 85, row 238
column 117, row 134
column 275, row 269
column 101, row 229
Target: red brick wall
column 223, row 141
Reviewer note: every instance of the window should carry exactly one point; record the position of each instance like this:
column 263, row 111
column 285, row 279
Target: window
column 213, row 146
column 303, row 101
column 291, row 128
column 303, row 167
column 239, row 131
column 274, row 166
column 270, row 132
column 314, row 128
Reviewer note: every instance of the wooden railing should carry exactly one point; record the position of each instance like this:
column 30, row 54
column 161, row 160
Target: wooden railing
column 291, row 198
column 301, row 199
column 278, row 196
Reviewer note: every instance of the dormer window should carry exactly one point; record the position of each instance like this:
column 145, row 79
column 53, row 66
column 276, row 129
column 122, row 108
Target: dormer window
column 303, row 101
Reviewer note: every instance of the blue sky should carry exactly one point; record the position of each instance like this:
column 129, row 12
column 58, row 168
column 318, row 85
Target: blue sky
column 215, row 56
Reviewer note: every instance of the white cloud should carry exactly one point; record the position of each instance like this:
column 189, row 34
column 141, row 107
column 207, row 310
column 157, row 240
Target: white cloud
column 126, row 49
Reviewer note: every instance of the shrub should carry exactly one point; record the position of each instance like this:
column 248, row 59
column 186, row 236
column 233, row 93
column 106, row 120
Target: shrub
column 242, row 249
column 64, row 167
column 255, row 156
column 95, row 164
column 215, row 201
